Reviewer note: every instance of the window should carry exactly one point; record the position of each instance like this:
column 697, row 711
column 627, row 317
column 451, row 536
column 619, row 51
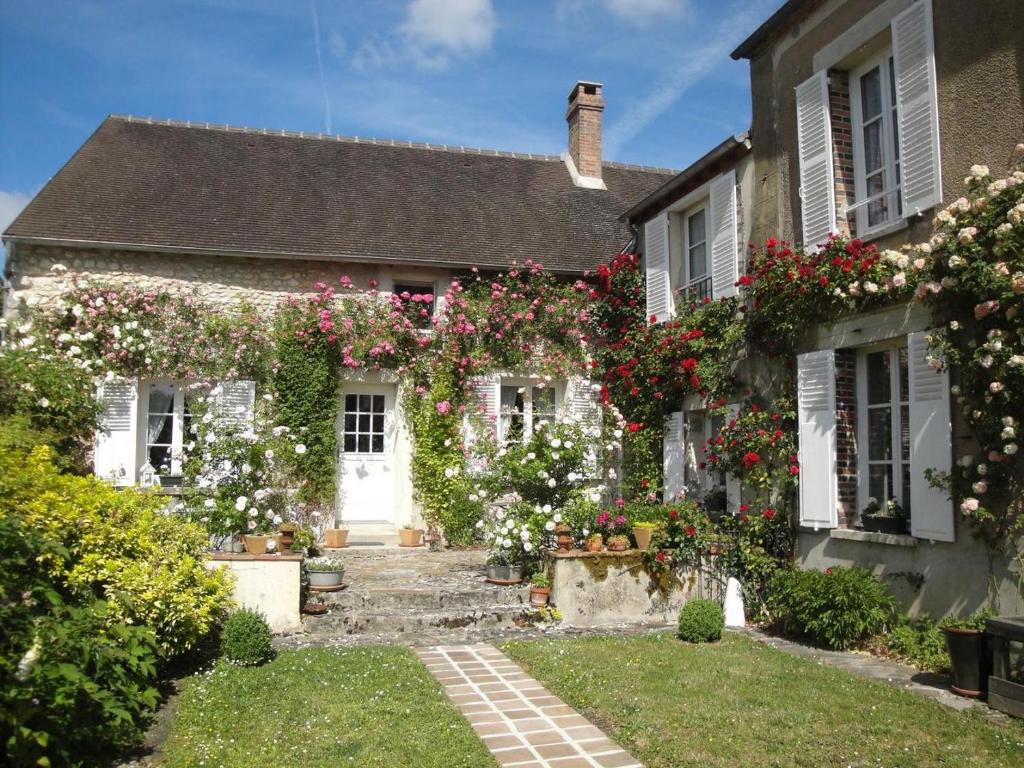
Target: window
column 876, row 144
column 695, row 280
column 420, row 296
column 364, row 423
column 883, row 398
column 168, row 425
column 523, row 406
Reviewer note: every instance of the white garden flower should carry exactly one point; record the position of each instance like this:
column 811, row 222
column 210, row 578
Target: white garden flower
column 546, row 509
column 241, row 502
column 549, row 525
column 555, row 443
column 527, row 546
column 209, row 503
column 1010, row 449
column 552, row 483
column 44, row 403
column 572, row 477
column 300, row 448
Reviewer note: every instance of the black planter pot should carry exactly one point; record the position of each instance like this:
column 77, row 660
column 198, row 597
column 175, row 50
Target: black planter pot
column 895, row 525
column 970, row 661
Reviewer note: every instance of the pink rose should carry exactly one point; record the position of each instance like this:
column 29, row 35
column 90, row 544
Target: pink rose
column 443, row 407
column 985, row 309
column 969, row 505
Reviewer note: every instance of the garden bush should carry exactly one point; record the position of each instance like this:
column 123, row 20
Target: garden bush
column 836, row 608
column 98, row 542
column 701, row 621
column 245, row 638
column 921, row 643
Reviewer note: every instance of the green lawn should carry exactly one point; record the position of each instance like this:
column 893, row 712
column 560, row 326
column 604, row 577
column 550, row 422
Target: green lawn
column 367, row 706
column 739, row 702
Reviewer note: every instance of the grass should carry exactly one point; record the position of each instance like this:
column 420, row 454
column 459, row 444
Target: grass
column 739, row 702
column 367, row 706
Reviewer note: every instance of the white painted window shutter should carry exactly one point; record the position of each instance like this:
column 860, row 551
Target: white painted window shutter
column 931, row 443
column 725, row 252
column 732, row 483
column 584, row 404
column 234, row 403
column 116, row 439
column 482, row 412
column 674, row 455
column 917, row 111
column 814, row 147
column 816, row 407
column 656, row 264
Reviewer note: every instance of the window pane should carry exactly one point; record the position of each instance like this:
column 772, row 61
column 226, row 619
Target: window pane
column 161, row 398
column 880, row 482
column 378, row 424
column 363, row 443
column 879, row 434
column 350, row 442
column 161, row 428
column 364, row 403
column 543, row 400
column 364, row 422
column 905, row 432
column 350, row 422
column 698, row 261
column 879, row 390
column 378, row 403
column 903, row 362
column 350, row 403
column 695, row 223
column 511, row 399
column 872, row 146
column 378, row 443
column 871, row 94
column 905, row 503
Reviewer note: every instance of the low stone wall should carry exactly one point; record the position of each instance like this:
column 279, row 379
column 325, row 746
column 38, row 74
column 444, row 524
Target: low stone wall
column 601, row 588
column 266, row 583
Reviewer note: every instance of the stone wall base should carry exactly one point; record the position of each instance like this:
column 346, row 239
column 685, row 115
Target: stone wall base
column 268, row 584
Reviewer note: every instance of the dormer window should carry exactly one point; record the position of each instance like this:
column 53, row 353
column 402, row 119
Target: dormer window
column 419, row 299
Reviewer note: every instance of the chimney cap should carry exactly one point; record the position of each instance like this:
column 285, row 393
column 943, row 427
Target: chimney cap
column 588, row 87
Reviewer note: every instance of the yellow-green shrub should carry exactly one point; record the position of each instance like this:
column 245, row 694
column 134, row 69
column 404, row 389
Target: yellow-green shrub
column 118, row 545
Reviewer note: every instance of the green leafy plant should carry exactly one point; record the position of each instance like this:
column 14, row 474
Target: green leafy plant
column 975, row 621
column 920, row 642
column 701, row 621
column 540, row 580
column 324, row 565
column 245, row 639
column 836, row 608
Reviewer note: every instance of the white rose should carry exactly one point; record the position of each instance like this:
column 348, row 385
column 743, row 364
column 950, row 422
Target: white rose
column 300, row 449
column 241, row 502
column 549, row 525
column 552, row 483
column 1010, row 449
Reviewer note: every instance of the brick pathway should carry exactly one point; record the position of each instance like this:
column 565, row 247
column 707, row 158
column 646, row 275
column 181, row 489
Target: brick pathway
column 521, row 723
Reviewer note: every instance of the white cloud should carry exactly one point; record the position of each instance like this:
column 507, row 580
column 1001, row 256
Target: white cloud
column 320, row 65
column 11, row 204
column 435, row 30
column 640, row 13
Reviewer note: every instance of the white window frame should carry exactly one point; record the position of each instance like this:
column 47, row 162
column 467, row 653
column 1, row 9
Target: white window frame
column 178, row 436
column 527, row 385
column 896, row 460
column 371, row 393
column 691, row 281
column 890, row 163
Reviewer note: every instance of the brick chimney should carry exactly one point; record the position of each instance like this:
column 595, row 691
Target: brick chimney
column 584, row 117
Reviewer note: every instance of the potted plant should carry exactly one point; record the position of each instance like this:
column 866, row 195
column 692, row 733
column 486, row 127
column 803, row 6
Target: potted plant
column 618, row 543
column 304, row 542
column 256, row 543
column 503, row 570
column 540, row 588
column 887, row 518
column 968, row 653
column 315, row 605
column 595, row 542
column 643, row 532
column 410, row 536
column 336, row 538
column 324, row 571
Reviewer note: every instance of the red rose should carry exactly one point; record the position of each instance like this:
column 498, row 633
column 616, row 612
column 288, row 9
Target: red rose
column 744, row 507
column 828, row 571
column 660, row 557
column 674, row 514
column 691, row 531
column 768, row 514
column 750, row 458
column 635, row 426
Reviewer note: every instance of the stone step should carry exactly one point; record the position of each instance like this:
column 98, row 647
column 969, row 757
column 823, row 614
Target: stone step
column 427, row 598
column 404, row 622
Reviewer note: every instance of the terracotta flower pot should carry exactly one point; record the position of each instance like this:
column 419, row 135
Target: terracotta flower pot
column 336, row 538
column 286, row 536
column 617, row 546
column 643, row 537
column 563, row 537
column 594, row 545
column 410, row 537
column 255, row 545
column 540, row 595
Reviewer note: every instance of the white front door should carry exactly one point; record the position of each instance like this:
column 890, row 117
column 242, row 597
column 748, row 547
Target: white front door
column 366, row 446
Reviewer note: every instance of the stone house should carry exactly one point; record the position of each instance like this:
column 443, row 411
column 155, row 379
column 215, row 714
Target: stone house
column 253, row 216
column 866, row 116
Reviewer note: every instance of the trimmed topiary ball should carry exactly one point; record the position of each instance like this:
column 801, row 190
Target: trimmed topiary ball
column 245, row 639
column 701, row 621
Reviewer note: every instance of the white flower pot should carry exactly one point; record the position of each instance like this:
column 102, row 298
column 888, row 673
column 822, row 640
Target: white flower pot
column 325, row 578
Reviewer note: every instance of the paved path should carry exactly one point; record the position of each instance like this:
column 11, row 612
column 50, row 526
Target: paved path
column 522, row 724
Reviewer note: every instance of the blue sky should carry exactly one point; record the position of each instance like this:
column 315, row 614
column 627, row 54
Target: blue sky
column 484, row 73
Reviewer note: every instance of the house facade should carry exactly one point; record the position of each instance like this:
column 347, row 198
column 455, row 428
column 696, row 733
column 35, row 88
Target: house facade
column 243, row 217
column 867, row 115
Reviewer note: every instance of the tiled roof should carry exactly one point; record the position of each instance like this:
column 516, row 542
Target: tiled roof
column 161, row 184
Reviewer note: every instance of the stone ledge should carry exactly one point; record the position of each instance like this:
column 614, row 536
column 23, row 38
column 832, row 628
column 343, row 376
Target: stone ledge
column 577, row 553
column 243, row 556
column 873, row 537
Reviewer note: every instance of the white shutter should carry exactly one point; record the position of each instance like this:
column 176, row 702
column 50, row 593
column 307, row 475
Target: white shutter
column 116, row 443
column 724, row 238
column 482, row 412
column 917, row 111
column 816, row 397
column 584, row 404
column 234, row 403
column 931, row 443
column 656, row 263
column 732, row 483
column 674, row 456
column 814, row 145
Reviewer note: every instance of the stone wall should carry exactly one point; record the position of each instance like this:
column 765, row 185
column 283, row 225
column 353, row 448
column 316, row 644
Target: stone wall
column 226, row 280
column 269, row 584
